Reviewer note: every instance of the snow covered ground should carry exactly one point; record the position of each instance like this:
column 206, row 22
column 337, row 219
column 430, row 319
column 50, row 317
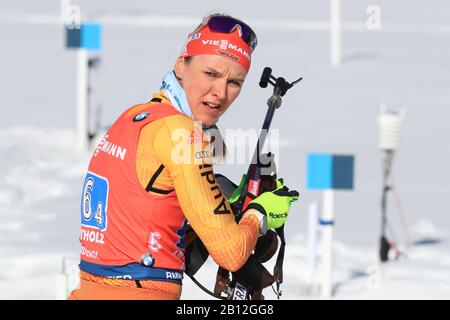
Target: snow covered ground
column 333, row 110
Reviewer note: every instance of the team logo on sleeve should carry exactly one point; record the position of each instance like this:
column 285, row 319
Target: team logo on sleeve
column 207, row 173
column 141, row 116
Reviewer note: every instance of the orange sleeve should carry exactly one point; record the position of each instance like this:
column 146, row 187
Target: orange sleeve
column 206, row 208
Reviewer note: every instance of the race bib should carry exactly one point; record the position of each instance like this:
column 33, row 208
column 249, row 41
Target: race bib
column 94, row 202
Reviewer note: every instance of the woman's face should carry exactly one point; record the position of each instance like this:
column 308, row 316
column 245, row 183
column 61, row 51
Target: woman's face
column 211, row 84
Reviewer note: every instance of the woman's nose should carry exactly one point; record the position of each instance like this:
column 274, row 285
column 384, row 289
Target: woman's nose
column 219, row 90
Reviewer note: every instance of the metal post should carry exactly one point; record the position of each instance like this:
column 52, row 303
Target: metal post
column 390, row 123
column 327, row 239
column 64, row 5
column 313, row 220
column 384, row 244
column 335, row 32
column 82, row 99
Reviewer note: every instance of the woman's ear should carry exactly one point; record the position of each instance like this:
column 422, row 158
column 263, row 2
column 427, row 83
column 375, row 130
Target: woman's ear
column 179, row 68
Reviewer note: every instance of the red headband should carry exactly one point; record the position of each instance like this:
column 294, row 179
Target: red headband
column 229, row 45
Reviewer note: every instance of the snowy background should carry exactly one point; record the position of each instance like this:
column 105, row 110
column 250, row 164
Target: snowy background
column 405, row 64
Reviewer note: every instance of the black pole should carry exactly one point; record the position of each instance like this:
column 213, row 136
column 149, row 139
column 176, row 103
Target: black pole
column 384, row 243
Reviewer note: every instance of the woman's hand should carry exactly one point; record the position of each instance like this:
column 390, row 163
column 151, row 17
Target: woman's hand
column 275, row 205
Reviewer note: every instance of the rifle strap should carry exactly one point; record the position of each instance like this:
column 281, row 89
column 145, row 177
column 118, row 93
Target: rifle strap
column 278, row 269
column 217, row 296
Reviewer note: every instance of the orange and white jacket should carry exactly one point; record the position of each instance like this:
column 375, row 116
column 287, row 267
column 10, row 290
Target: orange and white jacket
column 150, row 174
